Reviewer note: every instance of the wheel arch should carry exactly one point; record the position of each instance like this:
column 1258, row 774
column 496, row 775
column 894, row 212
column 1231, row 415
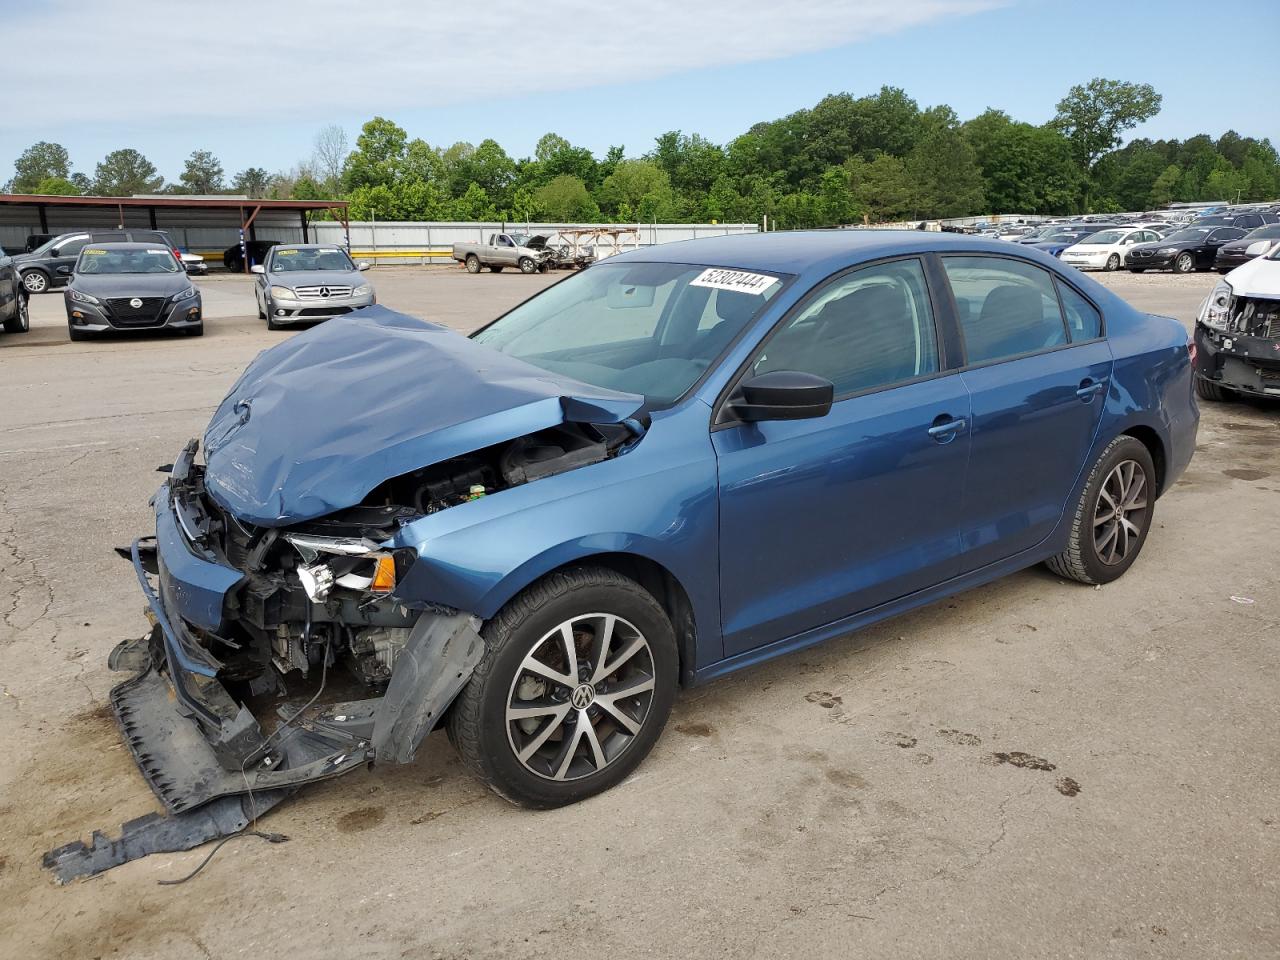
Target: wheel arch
column 656, row 578
column 1154, row 443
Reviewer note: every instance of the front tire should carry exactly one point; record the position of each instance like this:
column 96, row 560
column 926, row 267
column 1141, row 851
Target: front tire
column 527, row 265
column 1183, row 263
column 1112, row 517
column 577, row 681
column 1207, row 389
column 20, row 322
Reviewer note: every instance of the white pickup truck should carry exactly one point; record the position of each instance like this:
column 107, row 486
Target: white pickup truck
column 502, row 250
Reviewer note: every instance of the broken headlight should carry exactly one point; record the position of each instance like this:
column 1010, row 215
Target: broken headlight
column 1216, row 312
column 353, row 563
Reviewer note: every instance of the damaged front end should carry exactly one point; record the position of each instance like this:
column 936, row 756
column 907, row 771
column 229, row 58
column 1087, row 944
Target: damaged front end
column 1238, row 341
column 238, row 693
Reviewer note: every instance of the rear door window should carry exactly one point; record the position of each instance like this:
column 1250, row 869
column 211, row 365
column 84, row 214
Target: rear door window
column 1007, row 307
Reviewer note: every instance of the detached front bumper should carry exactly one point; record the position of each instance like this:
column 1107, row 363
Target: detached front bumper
column 1242, row 363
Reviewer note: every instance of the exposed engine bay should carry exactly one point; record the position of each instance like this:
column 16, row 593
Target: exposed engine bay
column 324, row 590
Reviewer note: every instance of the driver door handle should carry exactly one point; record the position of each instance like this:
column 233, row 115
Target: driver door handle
column 1089, row 388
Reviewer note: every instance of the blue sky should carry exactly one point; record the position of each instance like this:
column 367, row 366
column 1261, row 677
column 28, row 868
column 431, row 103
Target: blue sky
column 254, row 83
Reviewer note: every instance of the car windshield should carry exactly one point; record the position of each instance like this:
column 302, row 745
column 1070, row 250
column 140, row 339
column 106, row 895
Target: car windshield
column 294, row 260
column 1190, row 233
column 644, row 328
column 520, row 239
column 1067, row 235
column 45, row 247
column 1106, row 236
column 96, row 260
column 1269, row 232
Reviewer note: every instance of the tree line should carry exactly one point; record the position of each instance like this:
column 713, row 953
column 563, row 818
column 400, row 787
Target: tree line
column 845, row 160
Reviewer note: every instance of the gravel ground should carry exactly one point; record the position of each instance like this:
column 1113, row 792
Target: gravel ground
column 1031, row 769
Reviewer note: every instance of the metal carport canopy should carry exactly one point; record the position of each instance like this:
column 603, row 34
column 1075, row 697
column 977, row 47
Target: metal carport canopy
column 65, row 210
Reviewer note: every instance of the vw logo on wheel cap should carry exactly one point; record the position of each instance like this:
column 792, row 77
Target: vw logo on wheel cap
column 584, row 694
column 135, row 303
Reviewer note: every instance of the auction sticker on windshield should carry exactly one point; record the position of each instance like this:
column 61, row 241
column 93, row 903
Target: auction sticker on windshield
column 737, row 280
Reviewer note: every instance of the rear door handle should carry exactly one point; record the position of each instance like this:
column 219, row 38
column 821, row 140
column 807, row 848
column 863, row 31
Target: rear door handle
column 945, row 428
column 1089, row 388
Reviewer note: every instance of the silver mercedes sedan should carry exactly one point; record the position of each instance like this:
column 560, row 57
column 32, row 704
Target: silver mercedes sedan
column 308, row 282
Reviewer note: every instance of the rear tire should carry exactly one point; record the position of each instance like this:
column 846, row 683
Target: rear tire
column 1207, row 389
column 35, row 281
column 570, row 752
column 1112, row 516
column 473, row 263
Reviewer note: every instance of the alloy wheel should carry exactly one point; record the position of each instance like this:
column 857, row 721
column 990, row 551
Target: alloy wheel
column 35, row 281
column 1120, row 514
column 580, row 697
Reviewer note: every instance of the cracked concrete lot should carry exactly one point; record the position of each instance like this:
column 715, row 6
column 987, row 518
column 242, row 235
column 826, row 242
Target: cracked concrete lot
column 1032, row 769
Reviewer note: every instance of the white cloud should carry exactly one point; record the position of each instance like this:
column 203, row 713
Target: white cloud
column 145, row 61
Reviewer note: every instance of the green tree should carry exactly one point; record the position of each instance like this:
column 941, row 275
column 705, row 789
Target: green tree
column 1162, row 189
column 946, row 180
column 1025, row 169
column 566, row 199
column 40, row 161
column 882, row 187
column 202, row 173
column 57, row 187
column 474, row 204
column 251, row 181
column 1094, row 116
column 122, row 173
column 378, row 158
column 637, row 188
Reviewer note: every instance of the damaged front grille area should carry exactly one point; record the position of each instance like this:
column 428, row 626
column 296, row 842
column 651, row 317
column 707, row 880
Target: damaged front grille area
column 1256, row 317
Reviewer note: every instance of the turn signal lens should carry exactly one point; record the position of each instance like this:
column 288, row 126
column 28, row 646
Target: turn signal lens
column 384, row 575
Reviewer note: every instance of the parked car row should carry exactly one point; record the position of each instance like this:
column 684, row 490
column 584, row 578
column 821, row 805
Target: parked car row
column 129, row 280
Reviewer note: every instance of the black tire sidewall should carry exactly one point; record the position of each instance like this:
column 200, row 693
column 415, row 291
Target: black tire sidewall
column 507, row 773
column 1129, row 448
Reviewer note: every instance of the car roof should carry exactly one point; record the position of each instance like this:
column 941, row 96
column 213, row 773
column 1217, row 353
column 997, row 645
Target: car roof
column 312, row 246
column 127, row 245
column 805, row 251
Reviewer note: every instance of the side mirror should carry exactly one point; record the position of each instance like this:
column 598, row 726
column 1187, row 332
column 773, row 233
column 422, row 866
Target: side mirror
column 1258, row 248
column 362, row 266
column 64, row 271
column 783, row 395
column 257, row 268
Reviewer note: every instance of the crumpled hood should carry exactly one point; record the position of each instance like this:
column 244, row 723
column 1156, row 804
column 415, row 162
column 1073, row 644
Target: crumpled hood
column 1259, row 277
column 318, row 421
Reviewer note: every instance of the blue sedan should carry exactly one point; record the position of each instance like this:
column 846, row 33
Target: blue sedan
column 683, row 461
